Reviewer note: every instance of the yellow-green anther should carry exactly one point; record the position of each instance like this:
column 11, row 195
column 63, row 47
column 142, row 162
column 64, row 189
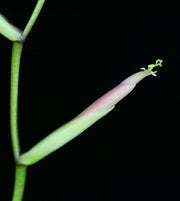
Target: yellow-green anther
column 8, row 30
column 151, row 66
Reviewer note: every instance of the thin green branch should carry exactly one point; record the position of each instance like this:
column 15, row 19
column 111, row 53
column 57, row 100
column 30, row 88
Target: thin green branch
column 33, row 18
column 20, row 180
column 15, row 65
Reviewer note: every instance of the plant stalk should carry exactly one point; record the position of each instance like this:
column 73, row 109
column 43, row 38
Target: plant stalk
column 20, row 180
column 33, row 18
column 20, row 171
column 15, row 65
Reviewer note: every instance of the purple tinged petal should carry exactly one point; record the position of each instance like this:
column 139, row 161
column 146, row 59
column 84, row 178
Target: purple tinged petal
column 108, row 100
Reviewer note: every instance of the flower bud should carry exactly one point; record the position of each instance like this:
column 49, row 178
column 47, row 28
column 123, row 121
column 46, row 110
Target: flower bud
column 85, row 119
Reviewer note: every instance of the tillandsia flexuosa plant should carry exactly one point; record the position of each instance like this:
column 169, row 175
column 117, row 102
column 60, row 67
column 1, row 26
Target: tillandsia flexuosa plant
column 68, row 131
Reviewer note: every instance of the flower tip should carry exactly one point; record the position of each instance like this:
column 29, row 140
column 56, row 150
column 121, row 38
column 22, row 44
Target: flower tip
column 151, row 66
column 159, row 62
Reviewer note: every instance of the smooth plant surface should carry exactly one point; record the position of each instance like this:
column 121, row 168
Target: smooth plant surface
column 8, row 30
column 71, row 129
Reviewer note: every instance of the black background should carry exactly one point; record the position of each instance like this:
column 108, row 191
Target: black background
column 74, row 54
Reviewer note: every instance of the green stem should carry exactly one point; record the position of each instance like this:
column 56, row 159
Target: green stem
column 33, row 18
column 20, row 179
column 15, row 65
column 20, row 172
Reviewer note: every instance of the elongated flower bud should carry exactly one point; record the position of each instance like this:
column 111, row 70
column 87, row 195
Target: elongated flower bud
column 8, row 30
column 85, row 119
column 112, row 97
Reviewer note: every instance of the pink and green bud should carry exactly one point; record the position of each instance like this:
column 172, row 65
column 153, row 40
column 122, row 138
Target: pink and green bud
column 89, row 116
column 109, row 100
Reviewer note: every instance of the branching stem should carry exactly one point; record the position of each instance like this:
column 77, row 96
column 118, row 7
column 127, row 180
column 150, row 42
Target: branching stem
column 33, row 18
column 20, row 172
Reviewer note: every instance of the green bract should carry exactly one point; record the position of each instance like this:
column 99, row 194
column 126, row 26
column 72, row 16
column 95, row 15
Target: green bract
column 8, row 30
column 59, row 137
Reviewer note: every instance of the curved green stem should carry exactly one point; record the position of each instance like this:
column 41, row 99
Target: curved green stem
column 33, row 18
column 20, row 179
column 15, row 65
